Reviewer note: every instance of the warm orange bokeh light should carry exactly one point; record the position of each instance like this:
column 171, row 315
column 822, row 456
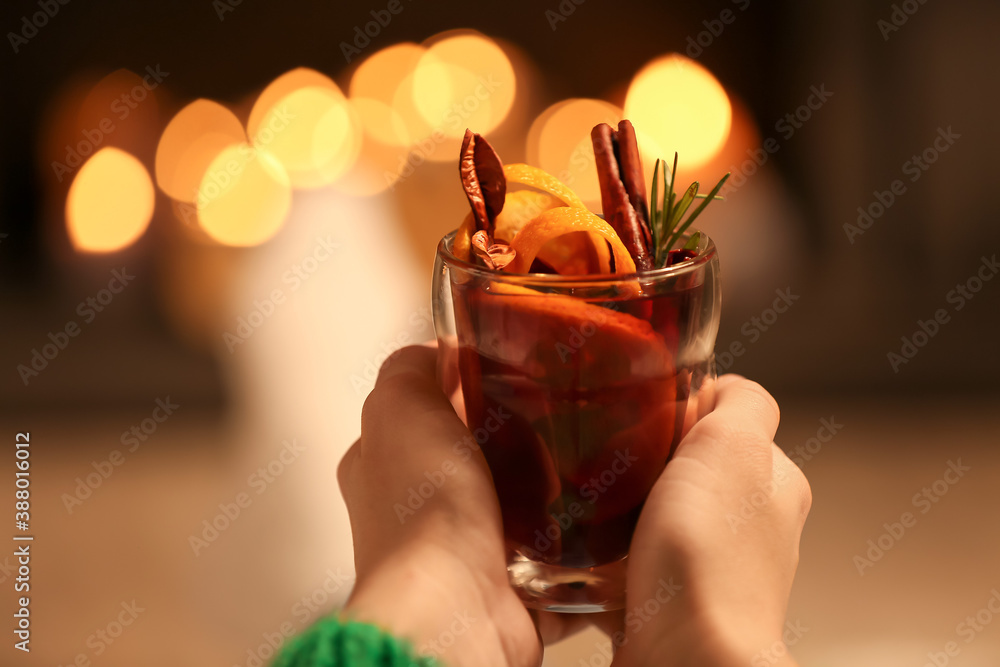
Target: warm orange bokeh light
column 559, row 142
column 464, row 80
column 189, row 144
column 380, row 121
column 380, row 81
column 681, row 107
column 244, row 197
column 384, row 149
column 110, row 202
column 379, row 76
column 304, row 121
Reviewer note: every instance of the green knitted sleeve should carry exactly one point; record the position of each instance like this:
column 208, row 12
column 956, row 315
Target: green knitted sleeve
column 331, row 642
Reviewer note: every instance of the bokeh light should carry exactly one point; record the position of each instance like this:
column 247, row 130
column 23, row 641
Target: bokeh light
column 119, row 110
column 559, row 142
column 384, row 149
column 463, row 80
column 244, row 197
column 110, row 202
column 681, row 107
column 374, row 88
column 304, row 121
column 191, row 141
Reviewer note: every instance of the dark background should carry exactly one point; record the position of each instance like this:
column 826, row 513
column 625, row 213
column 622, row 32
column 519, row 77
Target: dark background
column 890, row 98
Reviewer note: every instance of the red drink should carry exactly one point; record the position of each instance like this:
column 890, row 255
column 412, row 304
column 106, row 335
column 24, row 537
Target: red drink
column 592, row 405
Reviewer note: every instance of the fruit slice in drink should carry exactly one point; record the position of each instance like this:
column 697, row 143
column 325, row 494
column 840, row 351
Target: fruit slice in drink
column 588, row 394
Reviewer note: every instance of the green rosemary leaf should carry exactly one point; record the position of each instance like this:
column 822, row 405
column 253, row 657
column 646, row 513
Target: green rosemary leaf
column 697, row 211
column 668, row 207
column 682, row 206
column 653, row 213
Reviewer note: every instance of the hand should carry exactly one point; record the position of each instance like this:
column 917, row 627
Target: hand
column 428, row 539
column 734, row 566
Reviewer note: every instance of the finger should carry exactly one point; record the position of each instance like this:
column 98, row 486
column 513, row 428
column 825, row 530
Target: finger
column 418, row 359
column 407, row 396
column 410, row 429
column 792, row 484
column 739, row 431
column 345, row 466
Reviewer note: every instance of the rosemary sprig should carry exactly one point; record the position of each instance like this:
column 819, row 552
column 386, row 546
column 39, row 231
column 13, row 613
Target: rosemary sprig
column 666, row 212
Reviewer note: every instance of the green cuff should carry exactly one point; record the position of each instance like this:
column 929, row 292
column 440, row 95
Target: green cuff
column 331, row 642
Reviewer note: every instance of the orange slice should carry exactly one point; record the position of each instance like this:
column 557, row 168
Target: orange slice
column 594, row 383
column 539, row 179
column 519, row 209
column 569, row 254
column 523, row 174
column 564, row 220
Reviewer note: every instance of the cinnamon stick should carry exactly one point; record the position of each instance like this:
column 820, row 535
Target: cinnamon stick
column 623, row 192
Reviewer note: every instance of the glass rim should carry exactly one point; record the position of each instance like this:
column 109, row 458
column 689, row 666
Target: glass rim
column 705, row 255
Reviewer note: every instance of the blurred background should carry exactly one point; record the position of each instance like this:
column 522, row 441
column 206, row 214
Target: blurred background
column 219, row 217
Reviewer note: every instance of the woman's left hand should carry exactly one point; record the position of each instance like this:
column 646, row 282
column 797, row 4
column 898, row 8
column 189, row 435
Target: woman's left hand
column 428, row 538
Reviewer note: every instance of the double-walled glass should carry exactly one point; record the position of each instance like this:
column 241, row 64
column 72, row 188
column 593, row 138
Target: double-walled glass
column 577, row 389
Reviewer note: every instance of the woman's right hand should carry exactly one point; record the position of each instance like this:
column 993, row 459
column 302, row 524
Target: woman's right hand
column 716, row 547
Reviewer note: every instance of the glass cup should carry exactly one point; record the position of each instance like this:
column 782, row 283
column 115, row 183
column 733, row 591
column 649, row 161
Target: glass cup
column 577, row 390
